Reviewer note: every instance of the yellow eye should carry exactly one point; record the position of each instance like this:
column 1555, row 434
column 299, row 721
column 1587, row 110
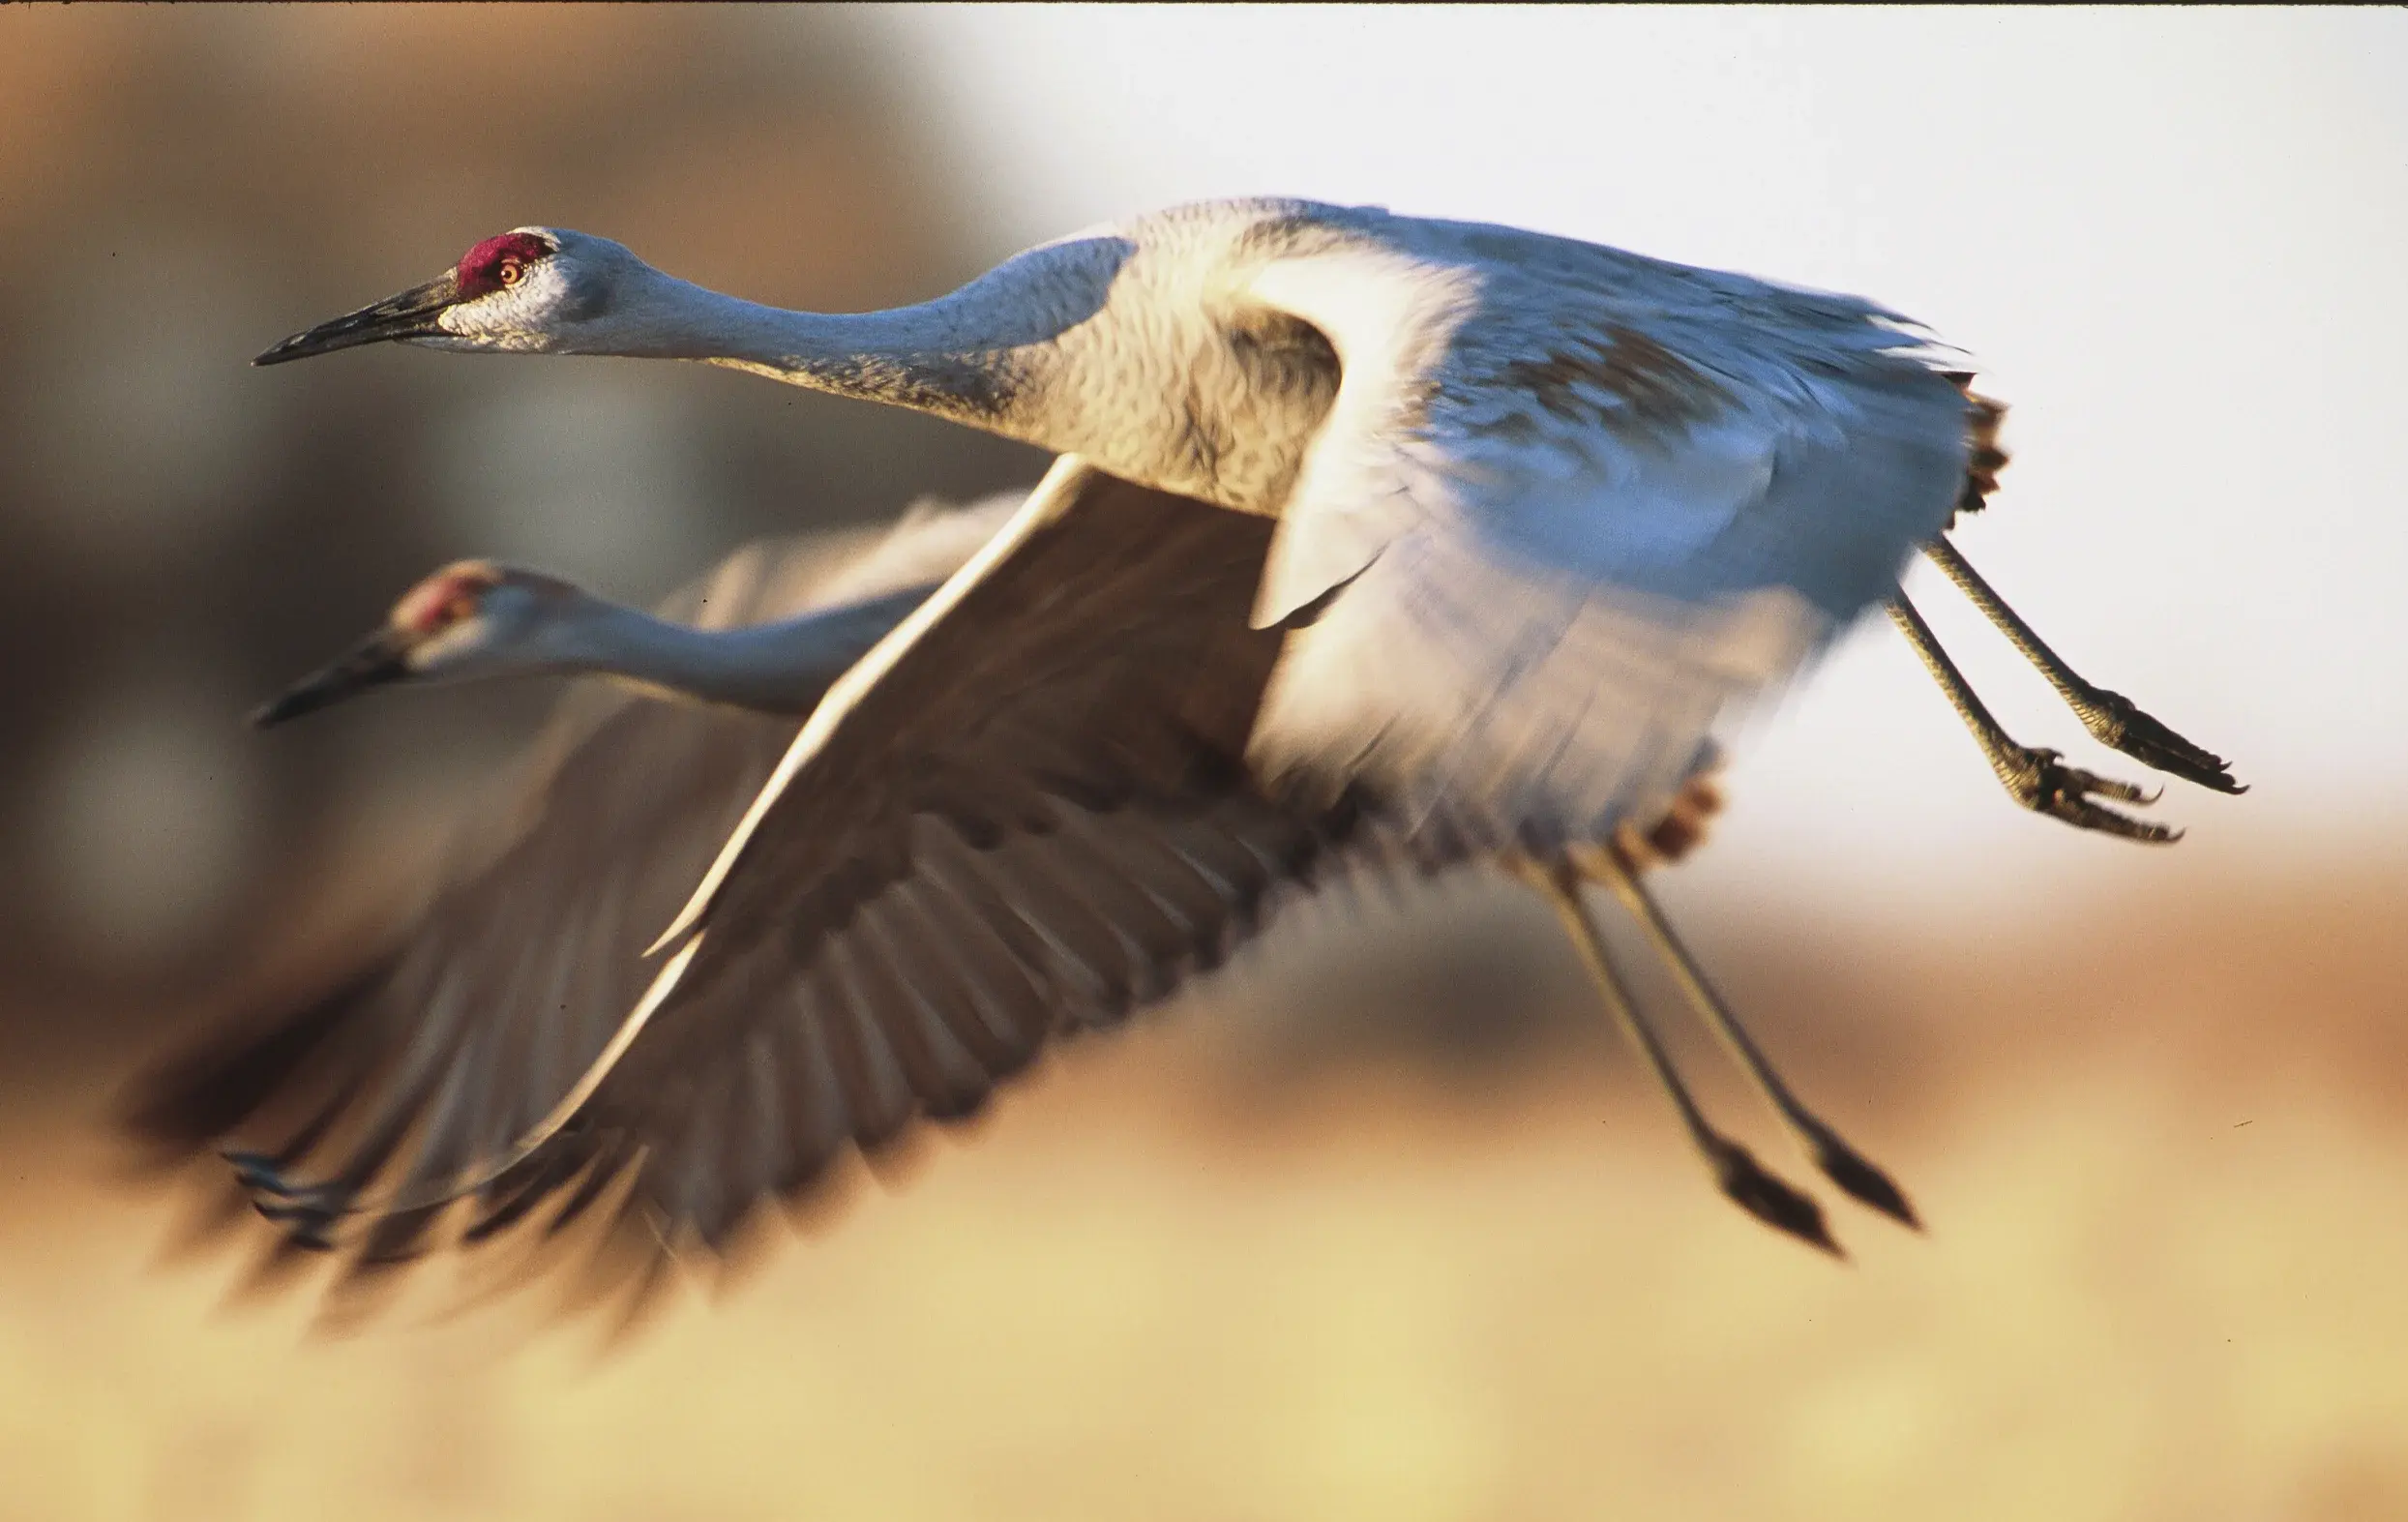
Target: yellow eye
column 508, row 273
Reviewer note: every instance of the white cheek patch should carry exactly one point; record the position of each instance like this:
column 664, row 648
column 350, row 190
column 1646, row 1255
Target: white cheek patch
column 457, row 643
column 517, row 316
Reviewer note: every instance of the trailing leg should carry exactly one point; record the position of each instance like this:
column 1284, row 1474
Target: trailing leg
column 1838, row 1161
column 2036, row 778
column 2110, row 717
column 1748, row 1183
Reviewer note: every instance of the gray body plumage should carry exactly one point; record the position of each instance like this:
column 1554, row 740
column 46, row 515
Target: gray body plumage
column 1557, row 512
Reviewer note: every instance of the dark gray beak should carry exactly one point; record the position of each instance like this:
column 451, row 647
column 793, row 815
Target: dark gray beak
column 375, row 661
column 411, row 314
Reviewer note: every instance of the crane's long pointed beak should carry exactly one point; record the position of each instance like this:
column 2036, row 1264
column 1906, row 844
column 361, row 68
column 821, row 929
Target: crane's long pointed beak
column 375, row 661
column 411, row 314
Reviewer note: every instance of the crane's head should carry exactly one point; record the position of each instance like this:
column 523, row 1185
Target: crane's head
column 471, row 619
column 531, row 290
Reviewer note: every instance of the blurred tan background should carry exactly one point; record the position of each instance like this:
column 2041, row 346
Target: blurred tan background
column 1382, row 1222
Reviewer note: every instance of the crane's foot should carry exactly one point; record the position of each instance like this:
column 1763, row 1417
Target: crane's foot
column 2040, row 780
column 311, row 1227
column 264, row 1177
column 1855, row 1174
column 1764, row 1195
column 307, row 1212
column 2114, row 721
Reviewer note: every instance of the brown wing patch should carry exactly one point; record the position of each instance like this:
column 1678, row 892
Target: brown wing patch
column 1615, row 377
column 1286, row 235
column 1680, row 831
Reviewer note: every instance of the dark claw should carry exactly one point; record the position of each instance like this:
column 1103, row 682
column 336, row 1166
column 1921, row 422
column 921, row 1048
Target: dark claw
column 297, row 1209
column 265, row 1178
column 314, row 1211
column 258, row 1173
column 1763, row 1196
column 2114, row 721
column 307, row 1212
column 1855, row 1174
column 306, row 1226
column 2043, row 784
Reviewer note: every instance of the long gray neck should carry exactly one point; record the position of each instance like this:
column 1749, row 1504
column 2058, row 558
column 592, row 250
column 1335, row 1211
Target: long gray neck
column 976, row 356
column 780, row 668
column 1077, row 347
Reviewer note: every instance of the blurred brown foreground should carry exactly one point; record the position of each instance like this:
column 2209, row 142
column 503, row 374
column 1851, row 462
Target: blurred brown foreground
column 1253, row 1260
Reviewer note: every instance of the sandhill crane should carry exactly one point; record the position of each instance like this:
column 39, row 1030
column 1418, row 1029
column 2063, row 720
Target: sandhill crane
column 1073, row 882
column 1546, row 513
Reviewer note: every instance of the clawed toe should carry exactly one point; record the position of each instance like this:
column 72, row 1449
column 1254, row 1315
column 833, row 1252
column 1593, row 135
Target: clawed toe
column 2041, row 781
column 258, row 1173
column 307, row 1212
column 2111, row 718
column 2114, row 721
column 2090, row 782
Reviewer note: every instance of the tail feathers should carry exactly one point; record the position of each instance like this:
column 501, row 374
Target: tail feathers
column 1984, row 458
column 1680, row 830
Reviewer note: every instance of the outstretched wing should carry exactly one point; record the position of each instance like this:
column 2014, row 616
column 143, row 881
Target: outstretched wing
column 1039, row 822
column 1569, row 507
column 1025, row 812
column 454, row 1033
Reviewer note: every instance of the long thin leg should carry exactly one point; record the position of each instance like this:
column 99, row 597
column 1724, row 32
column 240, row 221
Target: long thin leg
column 2110, row 717
column 1747, row 1182
column 2036, row 778
column 1839, row 1162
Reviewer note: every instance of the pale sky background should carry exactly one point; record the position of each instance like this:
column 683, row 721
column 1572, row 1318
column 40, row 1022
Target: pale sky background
column 2173, row 240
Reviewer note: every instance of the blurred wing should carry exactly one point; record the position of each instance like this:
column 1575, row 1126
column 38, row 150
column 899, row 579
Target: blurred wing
column 1038, row 820
column 1568, row 507
column 1027, row 811
column 456, row 1032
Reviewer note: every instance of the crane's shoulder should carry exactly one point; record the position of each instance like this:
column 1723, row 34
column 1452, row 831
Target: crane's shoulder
column 1579, row 331
column 1599, row 414
column 1266, row 229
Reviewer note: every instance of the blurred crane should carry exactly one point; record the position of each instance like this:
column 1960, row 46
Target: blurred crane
column 1059, row 891
column 1545, row 512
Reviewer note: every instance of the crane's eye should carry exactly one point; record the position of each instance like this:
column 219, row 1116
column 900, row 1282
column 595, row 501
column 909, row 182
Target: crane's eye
column 509, row 272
